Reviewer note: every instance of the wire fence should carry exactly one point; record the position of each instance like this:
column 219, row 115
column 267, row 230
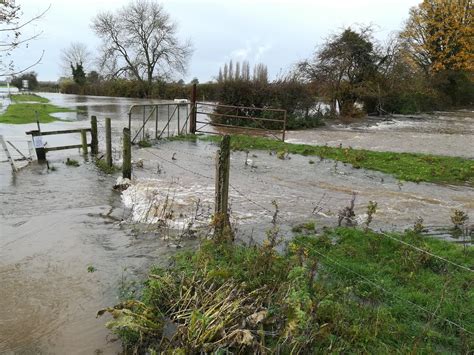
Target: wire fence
column 330, row 260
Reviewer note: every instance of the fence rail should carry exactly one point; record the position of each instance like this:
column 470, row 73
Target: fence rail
column 41, row 149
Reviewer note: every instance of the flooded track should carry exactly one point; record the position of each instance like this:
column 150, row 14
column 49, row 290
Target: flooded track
column 55, row 225
column 298, row 186
column 443, row 133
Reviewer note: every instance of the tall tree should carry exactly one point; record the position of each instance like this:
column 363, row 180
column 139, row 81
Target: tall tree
column 76, row 54
column 345, row 63
column 439, row 35
column 260, row 73
column 245, row 71
column 237, row 71
column 226, row 72
column 78, row 74
column 231, row 70
column 140, row 41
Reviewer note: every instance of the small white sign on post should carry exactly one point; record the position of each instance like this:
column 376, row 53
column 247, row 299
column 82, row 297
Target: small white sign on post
column 25, row 84
column 38, row 142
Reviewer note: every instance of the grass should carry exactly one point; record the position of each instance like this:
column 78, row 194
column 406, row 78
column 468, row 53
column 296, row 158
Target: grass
column 342, row 291
column 403, row 166
column 29, row 98
column 72, row 162
column 144, row 143
column 21, row 112
column 102, row 165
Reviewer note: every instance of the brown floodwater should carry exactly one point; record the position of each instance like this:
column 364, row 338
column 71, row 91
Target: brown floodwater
column 56, row 226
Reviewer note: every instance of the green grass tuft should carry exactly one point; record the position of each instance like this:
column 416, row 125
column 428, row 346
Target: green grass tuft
column 144, row 143
column 72, row 162
column 102, row 165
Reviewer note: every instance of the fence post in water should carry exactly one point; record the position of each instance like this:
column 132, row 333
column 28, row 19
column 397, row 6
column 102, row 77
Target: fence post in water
column 94, row 138
column 127, row 154
column 108, row 142
column 192, row 118
column 222, row 229
column 84, row 141
column 39, row 146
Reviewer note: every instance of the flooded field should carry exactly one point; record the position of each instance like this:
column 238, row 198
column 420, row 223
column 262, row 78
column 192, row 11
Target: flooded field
column 68, row 245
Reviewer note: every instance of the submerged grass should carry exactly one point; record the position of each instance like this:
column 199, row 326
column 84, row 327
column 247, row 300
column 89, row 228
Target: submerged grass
column 343, row 291
column 22, row 110
column 404, row 166
column 102, row 166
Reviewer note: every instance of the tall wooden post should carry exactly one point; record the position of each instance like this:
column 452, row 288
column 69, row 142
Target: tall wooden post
column 193, row 117
column 127, row 154
column 94, row 137
column 84, row 141
column 222, row 229
column 108, row 142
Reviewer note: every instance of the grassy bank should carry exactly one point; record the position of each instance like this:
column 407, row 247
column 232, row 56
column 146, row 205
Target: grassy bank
column 24, row 107
column 343, row 291
column 29, row 98
column 404, row 166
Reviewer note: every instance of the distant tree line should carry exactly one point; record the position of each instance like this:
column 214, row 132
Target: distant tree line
column 427, row 66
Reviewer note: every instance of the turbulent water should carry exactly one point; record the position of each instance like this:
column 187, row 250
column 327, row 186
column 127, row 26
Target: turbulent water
column 65, row 251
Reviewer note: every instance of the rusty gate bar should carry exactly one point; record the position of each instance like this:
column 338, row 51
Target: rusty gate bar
column 259, row 121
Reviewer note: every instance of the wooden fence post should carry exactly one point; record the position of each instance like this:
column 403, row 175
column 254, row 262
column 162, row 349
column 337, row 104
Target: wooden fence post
column 84, row 141
column 222, row 229
column 94, row 137
column 127, row 154
column 193, row 116
column 108, row 142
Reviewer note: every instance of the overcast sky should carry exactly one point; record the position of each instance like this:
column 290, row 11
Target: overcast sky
column 276, row 32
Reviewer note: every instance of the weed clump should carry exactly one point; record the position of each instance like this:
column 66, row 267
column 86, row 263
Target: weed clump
column 102, row 165
column 72, row 162
column 144, row 143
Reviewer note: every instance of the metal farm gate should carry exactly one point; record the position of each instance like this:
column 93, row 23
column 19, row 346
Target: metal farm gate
column 167, row 119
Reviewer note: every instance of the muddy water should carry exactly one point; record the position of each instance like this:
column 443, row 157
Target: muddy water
column 55, row 224
column 443, row 133
column 317, row 191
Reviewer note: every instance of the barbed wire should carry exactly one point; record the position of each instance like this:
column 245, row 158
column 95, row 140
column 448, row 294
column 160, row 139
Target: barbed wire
column 255, row 203
column 426, row 252
column 392, row 293
column 231, row 185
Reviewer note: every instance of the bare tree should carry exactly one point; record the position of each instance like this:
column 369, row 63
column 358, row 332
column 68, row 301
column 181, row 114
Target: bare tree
column 11, row 27
column 76, row 54
column 140, row 41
